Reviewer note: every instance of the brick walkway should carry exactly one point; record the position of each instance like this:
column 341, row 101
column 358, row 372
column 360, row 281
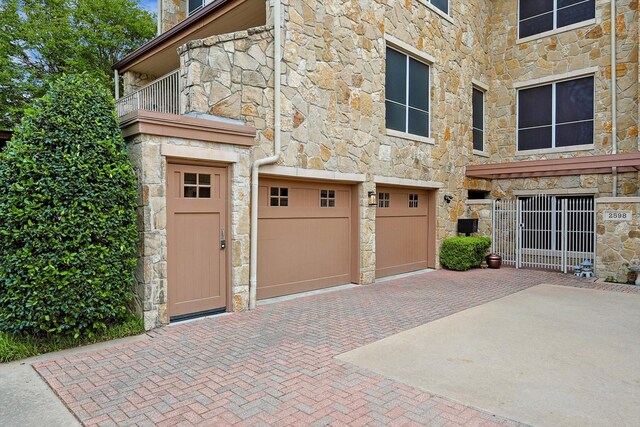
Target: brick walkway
column 276, row 365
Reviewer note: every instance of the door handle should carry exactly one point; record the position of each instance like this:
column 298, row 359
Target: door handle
column 223, row 241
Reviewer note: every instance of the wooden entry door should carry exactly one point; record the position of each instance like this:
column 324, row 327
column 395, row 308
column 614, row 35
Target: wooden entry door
column 196, row 221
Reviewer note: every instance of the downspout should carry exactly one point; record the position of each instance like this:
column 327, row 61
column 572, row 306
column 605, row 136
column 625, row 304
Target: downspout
column 159, row 17
column 116, row 81
column 277, row 54
column 614, row 124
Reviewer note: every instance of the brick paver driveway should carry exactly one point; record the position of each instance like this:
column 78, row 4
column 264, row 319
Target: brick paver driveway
column 276, row 365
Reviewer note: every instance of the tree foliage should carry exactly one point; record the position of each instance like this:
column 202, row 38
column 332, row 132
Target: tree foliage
column 44, row 38
column 68, row 194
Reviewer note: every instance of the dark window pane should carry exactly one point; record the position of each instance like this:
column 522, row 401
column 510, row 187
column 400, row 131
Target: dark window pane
column 274, row 191
column 323, row 203
column 534, row 107
column 332, row 193
column 529, row 8
column 536, row 25
column 284, row 202
column 418, row 85
column 284, row 192
column 190, row 178
column 323, row 193
column 577, row 13
column 565, row 3
column 395, row 116
column 478, row 107
column 190, row 192
column 194, row 4
column 478, row 143
column 396, row 77
column 274, row 201
column 204, row 179
column 332, row 203
column 574, row 134
column 574, row 100
column 443, row 5
column 534, row 139
column 418, row 122
column 205, row 192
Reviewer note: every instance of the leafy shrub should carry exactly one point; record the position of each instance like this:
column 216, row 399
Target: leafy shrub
column 463, row 253
column 68, row 238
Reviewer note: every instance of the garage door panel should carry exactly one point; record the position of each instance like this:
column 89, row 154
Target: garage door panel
column 402, row 231
column 303, row 246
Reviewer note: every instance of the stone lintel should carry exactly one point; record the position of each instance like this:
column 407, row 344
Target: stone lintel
column 171, row 125
column 287, row 171
column 404, row 182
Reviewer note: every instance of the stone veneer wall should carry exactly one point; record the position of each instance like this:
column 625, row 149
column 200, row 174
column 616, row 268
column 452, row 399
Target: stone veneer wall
column 151, row 272
column 482, row 210
column 132, row 81
column 618, row 243
column 333, row 87
column 566, row 51
column 173, row 12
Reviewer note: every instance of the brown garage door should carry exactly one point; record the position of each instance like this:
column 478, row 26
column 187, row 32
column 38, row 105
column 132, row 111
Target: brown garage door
column 403, row 240
column 304, row 236
column 196, row 218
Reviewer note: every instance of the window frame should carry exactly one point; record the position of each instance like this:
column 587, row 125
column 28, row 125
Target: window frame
column 555, row 29
column 554, row 148
column 423, row 59
column 430, row 5
column 483, row 91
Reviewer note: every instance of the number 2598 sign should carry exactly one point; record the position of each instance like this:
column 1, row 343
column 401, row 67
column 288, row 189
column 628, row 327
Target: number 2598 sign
column 617, row 215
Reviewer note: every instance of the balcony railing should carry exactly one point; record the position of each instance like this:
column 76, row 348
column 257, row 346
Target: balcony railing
column 162, row 95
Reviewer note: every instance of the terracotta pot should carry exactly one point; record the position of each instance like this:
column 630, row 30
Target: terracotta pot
column 494, row 261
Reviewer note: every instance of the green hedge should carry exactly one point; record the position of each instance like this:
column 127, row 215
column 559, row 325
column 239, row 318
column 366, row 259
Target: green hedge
column 463, row 253
column 68, row 239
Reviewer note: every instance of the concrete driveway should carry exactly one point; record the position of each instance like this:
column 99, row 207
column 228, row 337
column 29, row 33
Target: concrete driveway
column 277, row 365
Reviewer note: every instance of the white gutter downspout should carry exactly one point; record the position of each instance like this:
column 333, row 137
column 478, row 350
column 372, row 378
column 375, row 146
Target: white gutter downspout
column 116, row 80
column 277, row 54
column 159, row 17
column 614, row 125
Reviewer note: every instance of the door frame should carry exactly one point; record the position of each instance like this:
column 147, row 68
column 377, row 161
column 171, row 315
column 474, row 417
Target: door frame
column 229, row 234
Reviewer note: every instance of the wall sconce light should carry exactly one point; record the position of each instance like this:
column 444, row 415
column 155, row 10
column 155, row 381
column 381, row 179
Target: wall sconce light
column 448, row 198
column 371, row 195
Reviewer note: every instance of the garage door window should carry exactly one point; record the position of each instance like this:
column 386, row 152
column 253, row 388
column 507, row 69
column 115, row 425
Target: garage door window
column 327, row 198
column 279, row 196
column 383, row 200
column 413, row 200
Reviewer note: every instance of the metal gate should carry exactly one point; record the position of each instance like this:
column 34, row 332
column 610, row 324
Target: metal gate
column 543, row 231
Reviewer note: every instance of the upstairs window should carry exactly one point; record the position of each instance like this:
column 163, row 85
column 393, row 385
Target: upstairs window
column 538, row 16
column 478, row 119
column 407, row 94
column 443, row 5
column 556, row 115
column 195, row 5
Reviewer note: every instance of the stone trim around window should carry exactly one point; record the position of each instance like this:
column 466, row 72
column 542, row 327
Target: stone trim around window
column 555, row 31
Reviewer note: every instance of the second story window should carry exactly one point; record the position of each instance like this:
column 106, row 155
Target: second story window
column 443, row 5
column 195, row 5
column 539, row 16
column 478, row 119
column 556, row 115
column 407, row 94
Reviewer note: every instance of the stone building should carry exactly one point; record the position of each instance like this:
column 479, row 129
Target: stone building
column 377, row 110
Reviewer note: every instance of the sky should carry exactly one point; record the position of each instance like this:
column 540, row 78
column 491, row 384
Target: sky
column 150, row 5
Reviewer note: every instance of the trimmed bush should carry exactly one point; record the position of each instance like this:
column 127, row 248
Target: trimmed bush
column 68, row 239
column 463, row 253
